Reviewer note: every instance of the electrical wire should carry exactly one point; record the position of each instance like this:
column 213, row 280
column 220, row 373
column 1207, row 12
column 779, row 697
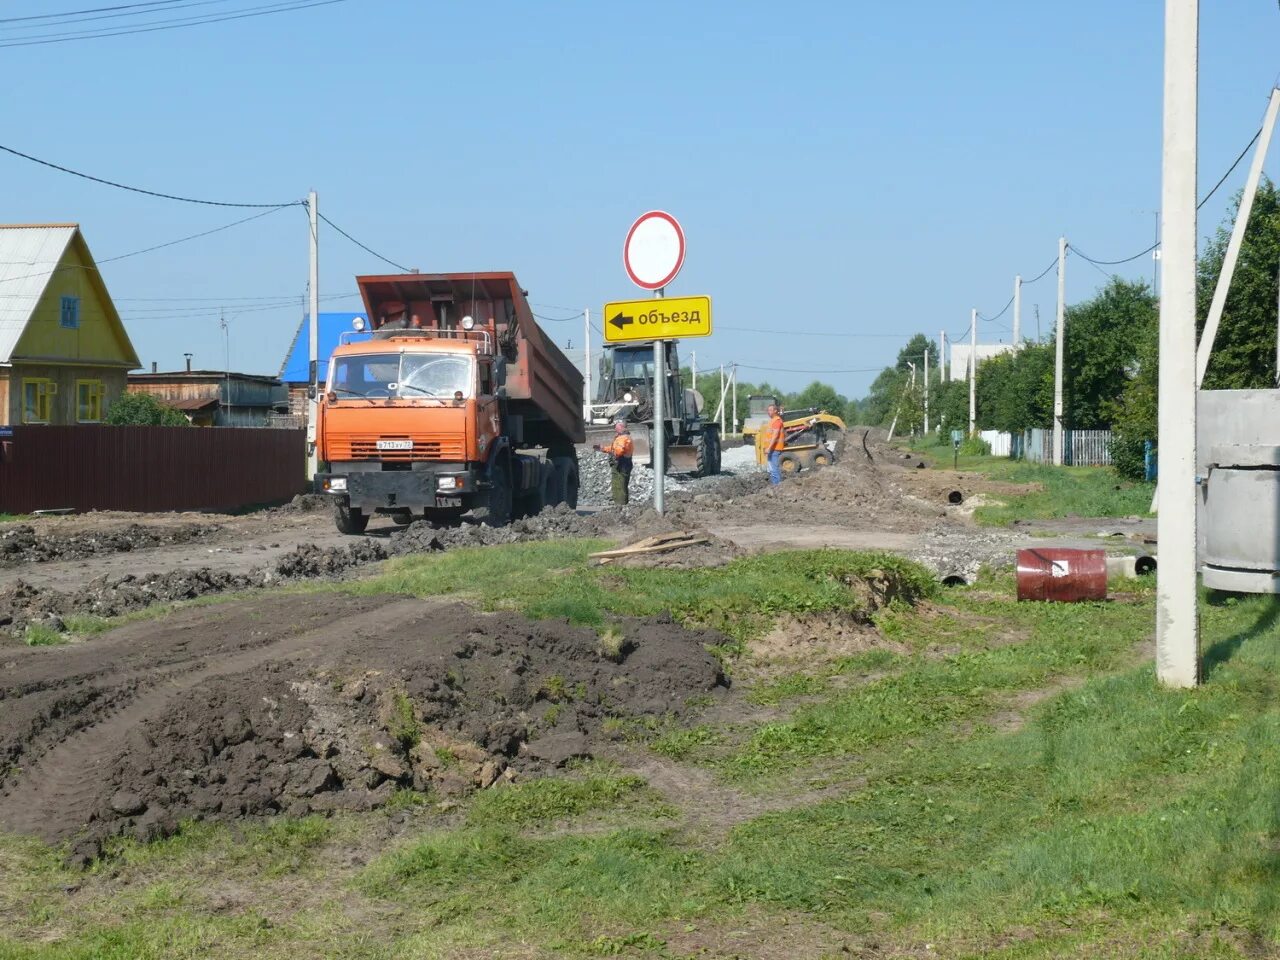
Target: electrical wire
column 289, row 6
column 366, row 249
column 194, row 236
column 576, row 316
column 71, row 17
column 149, row 193
column 1207, row 197
column 817, row 333
column 747, row 366
column 1002, row 312
column 1052, row 263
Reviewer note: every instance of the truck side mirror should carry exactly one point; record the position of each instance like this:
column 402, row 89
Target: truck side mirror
column 312, row 391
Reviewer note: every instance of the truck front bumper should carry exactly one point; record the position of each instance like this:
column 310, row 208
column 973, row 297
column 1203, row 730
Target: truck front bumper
column 438, row 486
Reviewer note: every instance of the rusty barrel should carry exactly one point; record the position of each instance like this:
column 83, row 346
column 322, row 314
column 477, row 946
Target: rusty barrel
column 1062, row 575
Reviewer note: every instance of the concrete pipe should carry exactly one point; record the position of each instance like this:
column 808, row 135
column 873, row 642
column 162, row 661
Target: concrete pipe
column 955, row 496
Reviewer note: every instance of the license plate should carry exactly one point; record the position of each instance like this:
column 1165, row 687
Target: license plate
column 395, row 444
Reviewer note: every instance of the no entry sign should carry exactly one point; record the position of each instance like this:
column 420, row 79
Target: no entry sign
column 654, row 250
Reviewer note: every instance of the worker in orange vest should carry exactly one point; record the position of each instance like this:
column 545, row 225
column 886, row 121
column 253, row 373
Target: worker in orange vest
column 775, row 438
column 620, row 453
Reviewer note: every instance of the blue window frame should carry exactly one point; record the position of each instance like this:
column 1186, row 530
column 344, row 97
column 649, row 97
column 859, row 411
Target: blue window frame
column 70, row 313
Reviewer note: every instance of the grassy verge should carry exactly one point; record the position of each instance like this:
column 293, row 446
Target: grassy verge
column 1006, row 781
column 741, row 599
column 1065, row 491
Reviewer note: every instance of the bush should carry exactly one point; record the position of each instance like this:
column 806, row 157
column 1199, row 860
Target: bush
column 975, row 447
column 144, row 410
column 1128, row 455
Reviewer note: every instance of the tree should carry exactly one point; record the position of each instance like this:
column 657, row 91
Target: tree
column 914, row 352
column 1244, row 350
column 1100, row 352
column 142, row 409
column 821, row 395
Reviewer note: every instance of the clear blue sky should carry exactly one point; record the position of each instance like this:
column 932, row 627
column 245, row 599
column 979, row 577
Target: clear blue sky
column 840, row 168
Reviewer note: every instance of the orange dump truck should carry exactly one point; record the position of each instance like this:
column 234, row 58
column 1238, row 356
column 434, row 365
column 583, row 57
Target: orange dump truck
column 456, row 402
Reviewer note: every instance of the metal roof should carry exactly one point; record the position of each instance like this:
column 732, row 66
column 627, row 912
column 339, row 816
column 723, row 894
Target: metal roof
column 297, row 361
column 29, row 254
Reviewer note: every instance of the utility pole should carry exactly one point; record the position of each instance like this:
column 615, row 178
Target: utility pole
column 226, row 367
column 1177, row 614
column 926, row 391
column 586, row 366
column 693, row 366
column 942, row 356
column 1017, row 312
column 733, row 379
column 1057, row 356
column 973, row 372
column 313, row 337
column 722, row 396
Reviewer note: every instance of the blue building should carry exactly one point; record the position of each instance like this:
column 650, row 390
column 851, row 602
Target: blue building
column 294, row 372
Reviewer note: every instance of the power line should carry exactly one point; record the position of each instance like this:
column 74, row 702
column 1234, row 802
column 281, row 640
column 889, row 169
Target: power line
column 818, row 333
column 794, row 370
column 576, row 316
column 1207, row 197
column 1052, row 263
column 194, row 236
column 149, row 193
column 998, row 315
column 129, row 10
column 178, row 23
column 361, row 245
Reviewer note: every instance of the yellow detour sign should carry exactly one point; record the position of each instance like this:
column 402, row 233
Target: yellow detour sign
column 658, row 319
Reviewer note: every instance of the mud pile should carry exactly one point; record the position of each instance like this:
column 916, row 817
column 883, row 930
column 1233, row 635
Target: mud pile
column 443, row 700
column 23, row 605
column 22, row 543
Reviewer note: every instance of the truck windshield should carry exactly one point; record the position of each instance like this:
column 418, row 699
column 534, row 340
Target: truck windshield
column 406, row 375
column 758, row 406
column 633, row 364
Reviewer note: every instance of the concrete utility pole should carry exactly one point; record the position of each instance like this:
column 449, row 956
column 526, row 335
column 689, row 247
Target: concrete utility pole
column 586, row 366
column 1017, row 312
column 942, row 356
column 722, row 397
column 1177, row 615
column 926, row 391
column 693, row 367
column 1057, row 355
column 733, row 380
column 1236, row 241
column 313, row 337
column 973, row 372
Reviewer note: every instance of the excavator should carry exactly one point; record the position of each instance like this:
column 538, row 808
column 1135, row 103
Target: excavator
column 811, row 439
column 626, row 392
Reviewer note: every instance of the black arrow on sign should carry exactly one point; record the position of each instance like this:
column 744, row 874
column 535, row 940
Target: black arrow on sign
column 619, row 321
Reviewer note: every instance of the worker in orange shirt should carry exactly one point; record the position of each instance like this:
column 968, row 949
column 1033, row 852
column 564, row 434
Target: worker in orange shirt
column 620, row 453
column 775, row 438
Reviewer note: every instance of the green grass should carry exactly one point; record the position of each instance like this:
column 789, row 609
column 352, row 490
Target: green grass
column 39, row 635
column 741, row 599
column 1008, row 781
column 1067, row 491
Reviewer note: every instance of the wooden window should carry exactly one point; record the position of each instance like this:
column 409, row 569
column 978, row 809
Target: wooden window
column 37, row 400
column 70, row 319
column 89, row 394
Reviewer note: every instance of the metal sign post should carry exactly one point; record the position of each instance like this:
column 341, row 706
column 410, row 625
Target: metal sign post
column 652, row 255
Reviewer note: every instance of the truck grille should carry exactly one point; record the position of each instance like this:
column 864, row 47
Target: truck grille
column 364, row 446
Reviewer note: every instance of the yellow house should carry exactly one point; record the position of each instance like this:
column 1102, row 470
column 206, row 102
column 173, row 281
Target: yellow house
column 64, row 354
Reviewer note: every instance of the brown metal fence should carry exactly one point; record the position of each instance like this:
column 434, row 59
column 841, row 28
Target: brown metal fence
column 93, row 467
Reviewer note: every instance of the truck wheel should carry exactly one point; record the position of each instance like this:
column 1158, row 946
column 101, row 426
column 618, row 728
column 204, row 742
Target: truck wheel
column 497, row 512
column 717, row 446
column 704, row 447
column 532, row 503
column 816, row 459
column 349, row 520
column 402, row 518
column 790, row 464
column 564, row 483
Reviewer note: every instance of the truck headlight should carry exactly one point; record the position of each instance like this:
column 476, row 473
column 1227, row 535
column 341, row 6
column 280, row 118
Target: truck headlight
column 447, row 483
column 336, row 484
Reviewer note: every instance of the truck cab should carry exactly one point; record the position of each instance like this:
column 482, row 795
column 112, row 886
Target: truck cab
column 440, row 412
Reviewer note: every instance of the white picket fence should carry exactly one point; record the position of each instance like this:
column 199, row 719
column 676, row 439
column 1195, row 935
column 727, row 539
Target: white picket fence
column 1080, row 448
